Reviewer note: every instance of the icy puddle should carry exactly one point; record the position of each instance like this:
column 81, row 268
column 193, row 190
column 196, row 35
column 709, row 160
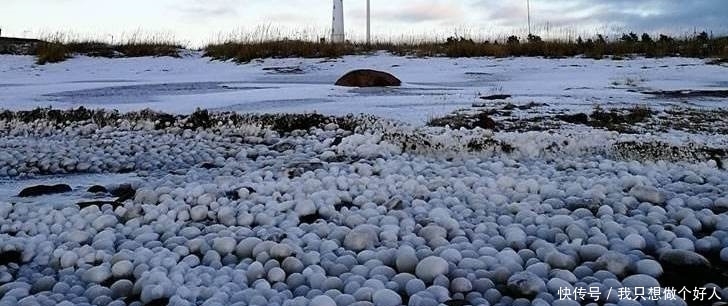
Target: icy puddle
column 79, row 183
column 119, row 95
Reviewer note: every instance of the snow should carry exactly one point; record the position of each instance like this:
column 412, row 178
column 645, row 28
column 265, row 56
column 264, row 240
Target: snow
column 437, row 223
column 432, row 86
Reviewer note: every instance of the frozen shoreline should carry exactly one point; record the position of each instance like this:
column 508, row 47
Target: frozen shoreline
column 432, row 86
column 247, row 215
column 380, row 209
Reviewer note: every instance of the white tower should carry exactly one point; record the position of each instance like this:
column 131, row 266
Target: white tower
column 369, row 23
column 337, row 27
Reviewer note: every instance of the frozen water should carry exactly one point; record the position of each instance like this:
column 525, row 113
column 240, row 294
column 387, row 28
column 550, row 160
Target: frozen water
column 240, row 214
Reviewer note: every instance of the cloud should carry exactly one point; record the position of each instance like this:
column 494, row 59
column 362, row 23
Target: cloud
column 207, row 8
column 644, row 15
column 416, row 12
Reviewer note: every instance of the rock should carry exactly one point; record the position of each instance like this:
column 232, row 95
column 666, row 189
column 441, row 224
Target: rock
column 406, row 260
column 122, row 269
column 614, row 262
column 292, row 265
column 323, row 300
column 647, row 194
column 526, row 284
column 121, row 288
column 43, row 284
column 226, row 215
column 123, row 192
column 198, row 213
column 362, row 237
column 244, row 249
column 554, row 285
column 461, row 284
column 684, row 258
column 368, row 78
column 432, row 232
column 99, row 204
column 97, row 274
column 591, row 252
column 635, row 241
column 8, row 257
column 640, row 280
column 649, row 267
column 40, row 190
column 224, row 245
column 97, row 189
column 430, row 267
column 276, row 275
column 280, row 251
column 386, row 297
column 560, row 260
column 305, row 208
column 68, row 259
column 495, row 97
column 720, row 205
column 104, row 221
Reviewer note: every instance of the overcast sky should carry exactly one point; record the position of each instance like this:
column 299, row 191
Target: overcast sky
column 199, row 21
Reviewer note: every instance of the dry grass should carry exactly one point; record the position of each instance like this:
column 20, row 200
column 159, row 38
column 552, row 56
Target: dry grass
column 60, row 46
column 267, row 42
column 700, row 46
column 51, row 52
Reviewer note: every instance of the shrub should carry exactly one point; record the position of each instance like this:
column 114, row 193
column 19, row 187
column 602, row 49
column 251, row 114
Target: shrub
column 51, row 52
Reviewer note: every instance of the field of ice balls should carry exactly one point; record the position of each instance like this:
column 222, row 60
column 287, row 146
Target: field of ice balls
column 243, row 215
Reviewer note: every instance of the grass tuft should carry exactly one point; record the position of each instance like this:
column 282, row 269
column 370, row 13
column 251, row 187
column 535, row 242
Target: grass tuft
column 59, row 47
column 51, row 52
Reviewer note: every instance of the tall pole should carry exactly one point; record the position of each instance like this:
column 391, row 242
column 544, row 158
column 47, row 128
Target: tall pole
column 528, row 7
column 337, row 27
column 369, row 23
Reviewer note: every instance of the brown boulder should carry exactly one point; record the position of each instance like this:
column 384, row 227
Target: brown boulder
column 368, row 78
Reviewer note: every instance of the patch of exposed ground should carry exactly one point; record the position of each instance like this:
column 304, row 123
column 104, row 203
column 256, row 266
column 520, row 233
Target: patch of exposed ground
column 509, row 117
column 689, row 93
column 637, row 120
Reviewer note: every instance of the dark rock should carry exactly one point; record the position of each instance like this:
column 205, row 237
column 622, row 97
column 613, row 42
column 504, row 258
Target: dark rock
column 680, row 94
column 684, row 258
column 495, row 97
column 287, row 123
column 368, row 78
column 123, row 192
column 310, row 219
column 209, row 166
column 298, row 169
column 284, row 70
column 347, row 204
column 283, row 146
column 113, row 204
column 394, row 204
column 232, row 195
column 97, row 189
column 9, row 257
column 457, row 303
column 484, row 121
column 40, row 190
column 687, row 268
column 580, row 118
column 158, row 302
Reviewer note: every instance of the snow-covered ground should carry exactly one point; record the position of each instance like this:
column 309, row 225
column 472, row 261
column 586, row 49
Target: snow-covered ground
column 432, row 86
column 360, row 211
